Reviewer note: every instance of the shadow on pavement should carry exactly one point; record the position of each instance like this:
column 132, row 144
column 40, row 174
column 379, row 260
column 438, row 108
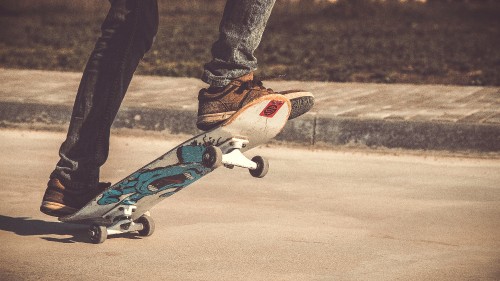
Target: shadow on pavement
column 29, row 227
column 24, row 226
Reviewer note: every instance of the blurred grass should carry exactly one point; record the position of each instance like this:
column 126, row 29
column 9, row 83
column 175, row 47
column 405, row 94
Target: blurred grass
column 351, row 40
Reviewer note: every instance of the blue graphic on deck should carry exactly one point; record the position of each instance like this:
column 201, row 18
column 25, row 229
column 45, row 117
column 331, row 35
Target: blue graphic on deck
column 150, row 182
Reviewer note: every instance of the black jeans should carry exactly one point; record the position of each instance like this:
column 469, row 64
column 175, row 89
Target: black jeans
column 127, row 34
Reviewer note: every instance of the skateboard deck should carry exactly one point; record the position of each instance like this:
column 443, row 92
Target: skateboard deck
column 124, row 207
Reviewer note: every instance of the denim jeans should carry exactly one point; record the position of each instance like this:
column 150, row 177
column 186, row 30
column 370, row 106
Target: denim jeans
column 127, row 33
column 240, row 32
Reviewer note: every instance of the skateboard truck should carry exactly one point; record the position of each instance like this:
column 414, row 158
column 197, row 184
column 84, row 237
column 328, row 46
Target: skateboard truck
column 122, row 223
column 214, row 157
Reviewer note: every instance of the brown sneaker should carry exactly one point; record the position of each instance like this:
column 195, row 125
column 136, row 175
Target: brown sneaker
column 218, row 104
column 59, row 201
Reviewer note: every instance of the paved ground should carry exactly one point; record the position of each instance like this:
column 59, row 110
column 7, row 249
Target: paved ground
column 318, row 215
column 376, row 115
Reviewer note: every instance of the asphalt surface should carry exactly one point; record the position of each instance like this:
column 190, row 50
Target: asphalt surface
column 318, row 215
column 428, row 117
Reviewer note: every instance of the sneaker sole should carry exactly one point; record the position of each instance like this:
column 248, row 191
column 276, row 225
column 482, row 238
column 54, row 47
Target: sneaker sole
column 210, row 121
column 301, row 101
column 56, row 209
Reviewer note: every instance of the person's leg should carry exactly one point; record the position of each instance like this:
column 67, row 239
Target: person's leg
column 230, row 72
column 240, row 33
column 127, row 34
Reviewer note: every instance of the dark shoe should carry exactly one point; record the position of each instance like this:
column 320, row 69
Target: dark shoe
column 218, row 104
column 59, row 201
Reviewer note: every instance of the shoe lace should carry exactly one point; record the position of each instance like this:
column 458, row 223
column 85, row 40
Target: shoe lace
column 255, row 83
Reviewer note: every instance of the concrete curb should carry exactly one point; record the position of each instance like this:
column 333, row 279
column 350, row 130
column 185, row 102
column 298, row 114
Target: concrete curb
column 309, row 130
column 409, row 134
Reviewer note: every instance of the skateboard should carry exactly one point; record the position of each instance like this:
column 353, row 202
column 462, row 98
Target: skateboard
column 124, row 207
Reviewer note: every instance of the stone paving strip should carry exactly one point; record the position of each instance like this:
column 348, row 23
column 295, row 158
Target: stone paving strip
column 436, row 117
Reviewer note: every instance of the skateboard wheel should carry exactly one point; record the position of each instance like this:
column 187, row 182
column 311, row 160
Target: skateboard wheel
column 262, row 167
column 148, row 225
column 97, row 233
column 212, row 158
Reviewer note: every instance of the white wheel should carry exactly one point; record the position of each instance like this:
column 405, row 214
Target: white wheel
column 212, row 158
column 262, row 167
column 148, row 225
column 98, row 233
